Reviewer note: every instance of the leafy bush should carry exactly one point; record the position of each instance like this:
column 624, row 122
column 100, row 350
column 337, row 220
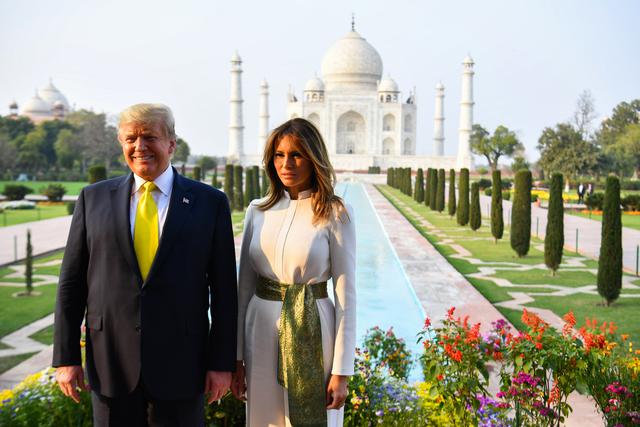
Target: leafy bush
column 484, row 183
column 506, row 195
column 97, row 173
column 16, row 191
column 630, row 185
column 594, row 201
column 71, row 206
column 374, row 170
column 631, row 202
column 54, row 192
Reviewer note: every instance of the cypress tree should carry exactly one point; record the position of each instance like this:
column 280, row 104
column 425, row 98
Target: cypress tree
column 409, row 187
column 419, row 192
column 183, row 169
column 197, row 173
column 228, row 184
column 427, row 187
column 28, row 265
column 248, row 186
column 265, row 184
column 238, row 195
column 610, row 261
column 97, row 173
column 475, row 218
column 497, row 220
column 554, row 236
column 462, row 213
column 214, row 179
column 451, row 204
column 255, row 182
column 521, row 213
column 440, row 192
column 433, row 191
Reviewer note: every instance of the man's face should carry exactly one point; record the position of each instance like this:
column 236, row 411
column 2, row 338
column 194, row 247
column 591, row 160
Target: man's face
column 146, row 148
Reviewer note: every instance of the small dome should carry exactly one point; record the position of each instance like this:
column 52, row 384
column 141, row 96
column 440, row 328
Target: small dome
column 13, row 105
column 388, row 85
column 314, row 84
column 51, row 95
column 264, row 84
column 468, row 60
column 351, row 63
column 37, row 105
column 236, row 57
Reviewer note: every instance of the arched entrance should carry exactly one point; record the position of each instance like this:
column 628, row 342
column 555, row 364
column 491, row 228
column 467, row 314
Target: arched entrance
column 351, row 137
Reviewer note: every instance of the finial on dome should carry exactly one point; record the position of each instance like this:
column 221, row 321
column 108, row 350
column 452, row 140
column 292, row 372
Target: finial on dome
column 353, row 21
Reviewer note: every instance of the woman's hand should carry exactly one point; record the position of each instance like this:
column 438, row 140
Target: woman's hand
column 238, row 382
column 337, row 391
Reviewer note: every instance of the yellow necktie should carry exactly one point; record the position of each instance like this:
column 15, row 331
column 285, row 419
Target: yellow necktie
column 145, row 232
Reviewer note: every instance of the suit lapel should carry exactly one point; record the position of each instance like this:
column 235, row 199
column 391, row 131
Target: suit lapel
column 182, row 199
column 121, row 205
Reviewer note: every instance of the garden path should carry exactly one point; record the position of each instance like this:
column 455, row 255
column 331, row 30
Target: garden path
column 584, row 412
column 46, row 236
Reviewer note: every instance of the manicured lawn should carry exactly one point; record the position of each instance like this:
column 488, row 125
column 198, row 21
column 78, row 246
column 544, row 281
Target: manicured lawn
column 237, row 219
column 20, row 311
column 73, row 187
column 625, row 312
column 44, row 336
column 9, row 362
column 42, row 211
column 631, row 221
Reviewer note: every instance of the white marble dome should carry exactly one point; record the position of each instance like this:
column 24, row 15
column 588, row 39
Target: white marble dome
column 351, row 63
column 388, row 85
column 52, row 95
column 36, row 105
column 314, row 84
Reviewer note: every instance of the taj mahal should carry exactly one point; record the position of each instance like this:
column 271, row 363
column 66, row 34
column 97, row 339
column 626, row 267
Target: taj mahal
column 361, row 114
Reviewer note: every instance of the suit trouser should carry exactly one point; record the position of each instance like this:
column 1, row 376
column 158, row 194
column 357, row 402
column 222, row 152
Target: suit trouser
column 140, row 409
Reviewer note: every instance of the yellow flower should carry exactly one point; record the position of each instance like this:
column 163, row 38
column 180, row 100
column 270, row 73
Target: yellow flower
column 5, row 395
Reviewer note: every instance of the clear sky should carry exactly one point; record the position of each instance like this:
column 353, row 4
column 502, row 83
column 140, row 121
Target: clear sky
column 533, row 58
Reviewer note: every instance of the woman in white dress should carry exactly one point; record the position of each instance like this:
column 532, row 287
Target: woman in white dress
column 295, row 346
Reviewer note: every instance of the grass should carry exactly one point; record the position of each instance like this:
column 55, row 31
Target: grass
column 73, row 187
column 20, row 311
column 42, row 211
column 9, row 362
column 237, row 219
column 629, row 221
column 44, row 336
column 624, row 312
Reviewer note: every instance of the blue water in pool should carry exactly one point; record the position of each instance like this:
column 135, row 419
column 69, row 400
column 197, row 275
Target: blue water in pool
column 385, row 296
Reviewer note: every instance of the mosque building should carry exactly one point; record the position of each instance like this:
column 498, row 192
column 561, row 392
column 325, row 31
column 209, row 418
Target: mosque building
column 361, row 114
column 46, row 104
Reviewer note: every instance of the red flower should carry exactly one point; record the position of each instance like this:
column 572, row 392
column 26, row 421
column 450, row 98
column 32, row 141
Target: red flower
column 450, row 313
column 427, row 323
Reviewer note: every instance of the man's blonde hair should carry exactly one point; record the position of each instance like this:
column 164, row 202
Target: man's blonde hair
column 147, row 114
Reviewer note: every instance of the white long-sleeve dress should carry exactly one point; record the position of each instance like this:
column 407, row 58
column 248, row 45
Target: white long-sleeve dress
column 284, row 245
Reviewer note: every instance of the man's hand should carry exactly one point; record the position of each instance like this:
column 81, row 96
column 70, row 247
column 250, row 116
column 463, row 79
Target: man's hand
column 70, row 379
column 238, row 382
column 216, row 385
column 337, row 391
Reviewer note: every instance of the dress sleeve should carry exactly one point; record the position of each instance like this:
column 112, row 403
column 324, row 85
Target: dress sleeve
column 342, row 247
column 247, row 279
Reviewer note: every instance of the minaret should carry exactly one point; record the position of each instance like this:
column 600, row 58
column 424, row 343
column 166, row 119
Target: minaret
column 466, row 115
column 438, row 122
column 236, row 128
column 263, row 116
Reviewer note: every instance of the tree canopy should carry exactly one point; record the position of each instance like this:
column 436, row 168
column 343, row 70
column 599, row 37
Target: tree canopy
column 503, row 142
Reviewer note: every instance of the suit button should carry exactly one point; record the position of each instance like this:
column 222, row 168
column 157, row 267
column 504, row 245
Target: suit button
column 138, row 328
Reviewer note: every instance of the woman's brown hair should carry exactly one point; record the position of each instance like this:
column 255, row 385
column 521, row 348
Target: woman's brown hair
column 323, row 178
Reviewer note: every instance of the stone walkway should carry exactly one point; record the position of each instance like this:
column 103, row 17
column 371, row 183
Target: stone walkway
column 457, row 291
column 46, row 236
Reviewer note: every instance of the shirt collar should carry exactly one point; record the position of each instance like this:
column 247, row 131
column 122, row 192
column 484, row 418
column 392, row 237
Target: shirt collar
column 163, row 182
column 301, row 195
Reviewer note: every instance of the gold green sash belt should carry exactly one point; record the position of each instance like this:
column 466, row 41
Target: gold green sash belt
column 300, row 366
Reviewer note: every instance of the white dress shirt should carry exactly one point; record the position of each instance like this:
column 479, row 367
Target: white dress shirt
column 161, row 196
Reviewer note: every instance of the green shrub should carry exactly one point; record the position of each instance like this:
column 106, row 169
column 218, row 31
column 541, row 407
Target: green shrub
column 440, row 191
column 70, row 207
column 451, row 203
column 610, row 261
column 594, row 201
column 238, row 193
column 488, row 192
column 228, row 184
column 54, row 192
column 97, row 173
column 197, row 173
column 506, row 195
column 265, row 184
column 255, row 185
column 419, row 191
column 427, row 187
column 521, row 214
column 475, row 217
column 631, row 202
column 497, row 219
column 462, row 214
column 374, row 170
column 16, row 191
column 433, row 191
column 554, row 236
column 28, row 265
column 484, row 183
column 248, row 187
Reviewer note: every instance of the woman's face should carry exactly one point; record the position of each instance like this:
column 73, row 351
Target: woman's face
column 294, row 170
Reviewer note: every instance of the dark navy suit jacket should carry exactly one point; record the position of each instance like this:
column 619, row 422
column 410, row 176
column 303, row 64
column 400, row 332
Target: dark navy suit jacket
column 157, row 331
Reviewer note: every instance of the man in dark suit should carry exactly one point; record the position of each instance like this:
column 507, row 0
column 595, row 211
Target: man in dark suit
column 149, row 257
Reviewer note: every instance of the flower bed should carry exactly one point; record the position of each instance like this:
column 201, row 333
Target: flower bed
column 537, row 370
